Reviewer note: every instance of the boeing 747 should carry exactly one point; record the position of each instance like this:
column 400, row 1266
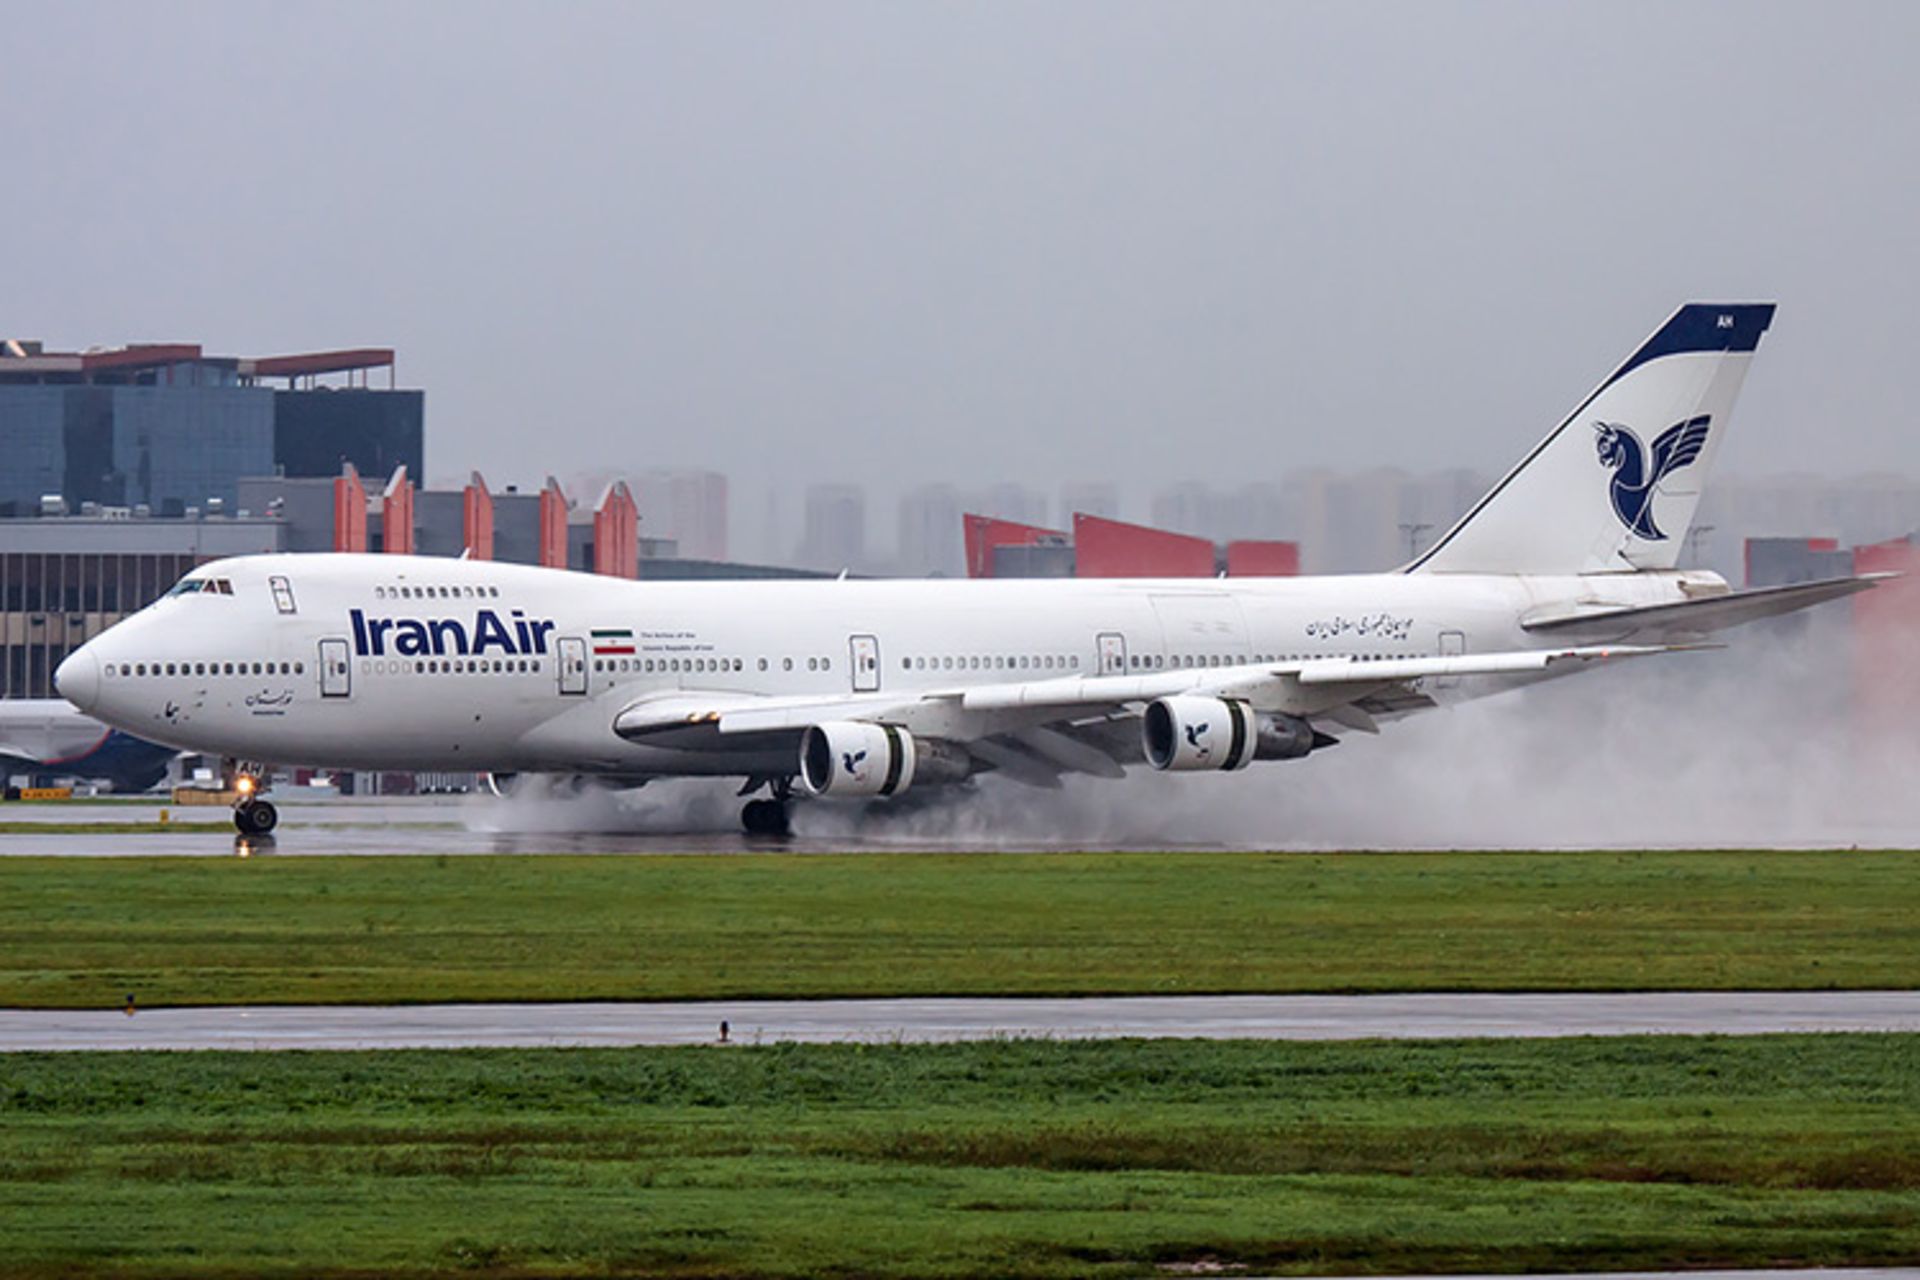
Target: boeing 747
column 866, row 689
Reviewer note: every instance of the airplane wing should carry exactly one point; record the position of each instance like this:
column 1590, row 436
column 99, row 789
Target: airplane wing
column 1035, row 730
column 1697, row 617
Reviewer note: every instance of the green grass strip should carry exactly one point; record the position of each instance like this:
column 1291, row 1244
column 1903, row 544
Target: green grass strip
column 84, row 932
column 1017, row 1158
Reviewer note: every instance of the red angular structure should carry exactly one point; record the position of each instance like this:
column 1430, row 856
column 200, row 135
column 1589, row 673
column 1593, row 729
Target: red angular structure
column 1104, row 548
column 1255, row 559
column 553, row 525
column 396, row 514
column 982, row 534
column 349, row 511
column 476, row 518
column 616, row 533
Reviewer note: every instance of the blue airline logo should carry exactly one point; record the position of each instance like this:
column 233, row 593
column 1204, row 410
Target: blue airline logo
column 1636, row 476
column 516, row 635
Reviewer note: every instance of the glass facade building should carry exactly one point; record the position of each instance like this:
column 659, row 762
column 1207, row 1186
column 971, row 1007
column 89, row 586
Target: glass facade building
column 169, row 429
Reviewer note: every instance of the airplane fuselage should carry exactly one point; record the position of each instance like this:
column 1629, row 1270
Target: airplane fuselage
column 402, row 662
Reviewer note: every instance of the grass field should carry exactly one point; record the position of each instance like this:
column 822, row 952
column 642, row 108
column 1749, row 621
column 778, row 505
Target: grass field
column 85, row 932
column 1013, row 1158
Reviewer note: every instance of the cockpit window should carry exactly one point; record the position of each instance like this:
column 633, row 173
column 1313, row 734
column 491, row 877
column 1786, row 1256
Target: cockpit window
column 198, row 586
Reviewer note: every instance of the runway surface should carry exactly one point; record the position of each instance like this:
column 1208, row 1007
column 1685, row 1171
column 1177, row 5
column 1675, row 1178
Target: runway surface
column 702, row 819
column 1396, row 1017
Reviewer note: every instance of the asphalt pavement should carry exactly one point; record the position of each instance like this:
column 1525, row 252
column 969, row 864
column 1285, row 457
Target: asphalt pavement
column 1390, row 1017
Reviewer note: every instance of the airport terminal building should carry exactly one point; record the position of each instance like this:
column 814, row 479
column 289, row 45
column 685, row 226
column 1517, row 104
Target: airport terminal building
column 166, row 428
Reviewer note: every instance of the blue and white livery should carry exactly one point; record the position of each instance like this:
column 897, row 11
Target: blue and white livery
column 869, row 689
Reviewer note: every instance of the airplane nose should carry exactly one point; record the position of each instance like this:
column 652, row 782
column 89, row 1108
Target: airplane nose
column 78, row 678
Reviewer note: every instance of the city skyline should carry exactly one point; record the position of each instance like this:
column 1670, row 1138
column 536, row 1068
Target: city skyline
column 904, row 244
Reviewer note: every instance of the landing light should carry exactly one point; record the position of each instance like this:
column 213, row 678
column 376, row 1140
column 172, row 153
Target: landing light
column 245, row 784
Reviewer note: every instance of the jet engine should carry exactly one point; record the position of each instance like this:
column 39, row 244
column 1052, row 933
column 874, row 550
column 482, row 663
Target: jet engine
column 852, row 759
column 848, row 758
column 1187, row 732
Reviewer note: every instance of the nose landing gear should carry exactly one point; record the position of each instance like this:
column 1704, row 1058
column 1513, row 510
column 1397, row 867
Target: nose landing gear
column 255, row 817
column 252, row 815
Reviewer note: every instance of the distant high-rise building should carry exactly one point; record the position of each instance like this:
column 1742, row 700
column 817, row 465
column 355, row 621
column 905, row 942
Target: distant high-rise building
column 1093, row 498
column 834, row 535
column 1257, row 511
column 688, row 506
column 1011, row 500
column 1189, row 507
column 930, row 533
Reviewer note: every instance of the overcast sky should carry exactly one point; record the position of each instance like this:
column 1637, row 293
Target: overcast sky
column 901, row 242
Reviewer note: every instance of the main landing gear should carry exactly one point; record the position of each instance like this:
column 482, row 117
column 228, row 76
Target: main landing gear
column 252, row 815
column 768, row 817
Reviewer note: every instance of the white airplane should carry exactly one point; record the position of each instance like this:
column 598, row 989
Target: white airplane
column 869, row 688
column 45, row 739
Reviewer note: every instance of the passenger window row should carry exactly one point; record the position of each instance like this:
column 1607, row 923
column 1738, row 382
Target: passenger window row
column 436, row 593
column 697, row 666
column 993, row 662
column 137, row 669
column 451, row 666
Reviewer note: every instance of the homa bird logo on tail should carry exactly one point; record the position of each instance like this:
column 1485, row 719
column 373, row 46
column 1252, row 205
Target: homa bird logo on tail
column 1635, row 477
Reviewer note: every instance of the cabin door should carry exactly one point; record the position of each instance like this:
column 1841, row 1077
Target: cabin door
column 336, row 670
column 573, row 666
column 865, row 653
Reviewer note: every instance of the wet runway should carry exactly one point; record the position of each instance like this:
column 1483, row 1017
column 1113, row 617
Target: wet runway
column 699, row 818
column 1395, row 1017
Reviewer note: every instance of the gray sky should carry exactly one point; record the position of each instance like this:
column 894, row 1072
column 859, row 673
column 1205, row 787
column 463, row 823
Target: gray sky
column 903, row 242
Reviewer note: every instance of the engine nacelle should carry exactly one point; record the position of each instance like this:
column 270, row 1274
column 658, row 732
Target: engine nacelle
column 846, row 758
column 1186, row 733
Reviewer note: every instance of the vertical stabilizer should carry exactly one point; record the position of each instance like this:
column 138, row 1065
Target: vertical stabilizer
column 1614, row 487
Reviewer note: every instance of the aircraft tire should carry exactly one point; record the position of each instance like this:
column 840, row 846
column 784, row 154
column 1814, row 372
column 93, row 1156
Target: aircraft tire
column 765, row 818
column 256, row 818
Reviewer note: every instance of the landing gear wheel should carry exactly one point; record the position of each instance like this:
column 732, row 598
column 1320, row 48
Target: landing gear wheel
column 766, row 818
column 255, row 817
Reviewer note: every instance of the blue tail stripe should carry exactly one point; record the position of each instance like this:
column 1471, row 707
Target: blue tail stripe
column 1703, row 326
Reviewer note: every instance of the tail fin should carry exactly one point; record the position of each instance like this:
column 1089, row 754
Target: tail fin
column 1614, row 487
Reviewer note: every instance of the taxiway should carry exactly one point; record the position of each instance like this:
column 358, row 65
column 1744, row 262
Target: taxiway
column 1387, row 1017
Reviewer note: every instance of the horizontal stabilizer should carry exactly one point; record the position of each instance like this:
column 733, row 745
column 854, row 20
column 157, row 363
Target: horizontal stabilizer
column 1711, row 613
column 1520, row 662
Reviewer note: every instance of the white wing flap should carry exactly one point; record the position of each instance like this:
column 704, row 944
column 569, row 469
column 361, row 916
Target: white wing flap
column 1394, row 670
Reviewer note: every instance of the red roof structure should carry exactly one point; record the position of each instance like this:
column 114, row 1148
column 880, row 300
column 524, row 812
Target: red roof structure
column 1104, row 548
column 982, row 534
